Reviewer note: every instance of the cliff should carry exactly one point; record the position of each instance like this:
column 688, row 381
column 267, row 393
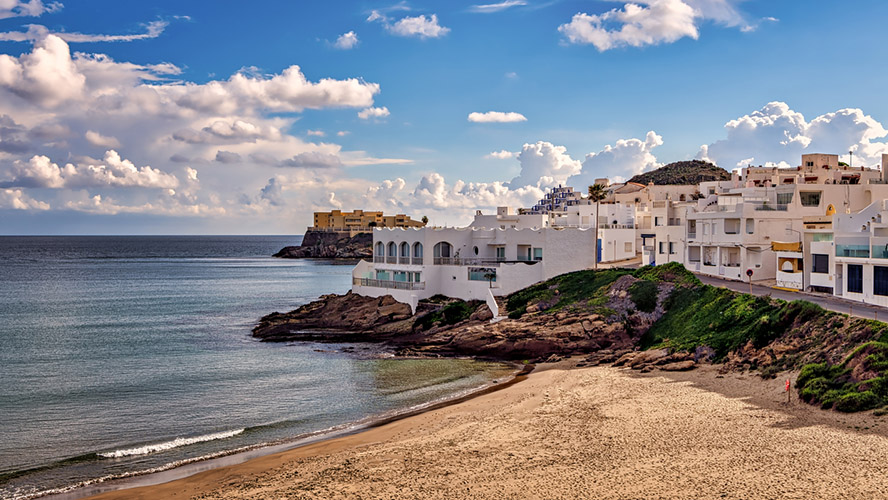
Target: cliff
column 316, row 244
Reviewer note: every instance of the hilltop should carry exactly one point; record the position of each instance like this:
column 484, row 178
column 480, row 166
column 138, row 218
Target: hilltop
column 683, row 173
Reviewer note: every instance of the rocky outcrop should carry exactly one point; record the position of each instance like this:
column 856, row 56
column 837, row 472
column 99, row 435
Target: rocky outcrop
column 323, row 245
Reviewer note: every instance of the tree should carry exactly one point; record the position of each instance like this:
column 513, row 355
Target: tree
column 596, row 194
column 490, row 276
column 425, row 220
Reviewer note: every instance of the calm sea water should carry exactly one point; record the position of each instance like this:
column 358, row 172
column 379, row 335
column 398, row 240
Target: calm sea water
column 121, row 355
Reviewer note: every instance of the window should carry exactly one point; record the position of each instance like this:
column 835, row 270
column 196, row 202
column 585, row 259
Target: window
column 855, row 278
column 658, row 221
column 661, row 246
column 880, row 280
column 784, row 198
column 821, row 263
column 417, row 250
column 475, row 250
column 671, row 247
column 380, row 249
column 810, row 198
column 405, row 251
column 443, row 250
column 500, row 253
column 393, row 249
column 750, row 226
column 627, row 246
column 537, row 254
column 705, row 228
column 711, row 190
column 809, row 164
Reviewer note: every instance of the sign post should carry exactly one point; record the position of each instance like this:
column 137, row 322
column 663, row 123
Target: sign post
column 749, row 275
column 787, row 391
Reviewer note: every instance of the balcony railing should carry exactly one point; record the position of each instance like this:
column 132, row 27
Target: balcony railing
column 391, row 259
column 852, row 251
column 417, row 261
column 379, row 259
column 692, row 235
column 397, row 285
column 456, row 261
column 880, row 251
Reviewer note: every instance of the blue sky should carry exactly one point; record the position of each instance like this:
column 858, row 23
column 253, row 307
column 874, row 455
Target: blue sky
column 217, row 117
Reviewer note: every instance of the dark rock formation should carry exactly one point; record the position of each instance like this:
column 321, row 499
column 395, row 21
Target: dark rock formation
column 683, row 173
column 316, row 244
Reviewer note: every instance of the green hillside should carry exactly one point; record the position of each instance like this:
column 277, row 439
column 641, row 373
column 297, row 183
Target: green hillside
column 683, row 172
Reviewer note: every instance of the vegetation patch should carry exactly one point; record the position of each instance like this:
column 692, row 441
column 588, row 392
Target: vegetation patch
column 859, row 383
column 690, row 172
column 644, row 295
column 451, row 314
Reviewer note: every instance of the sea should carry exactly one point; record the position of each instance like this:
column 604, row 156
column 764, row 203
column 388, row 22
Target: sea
column 127, row 356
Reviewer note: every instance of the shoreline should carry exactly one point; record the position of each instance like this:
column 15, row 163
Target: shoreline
column 568, row 432
column 236, row 457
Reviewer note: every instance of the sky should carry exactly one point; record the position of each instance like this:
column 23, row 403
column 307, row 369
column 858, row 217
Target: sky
column 228, row 117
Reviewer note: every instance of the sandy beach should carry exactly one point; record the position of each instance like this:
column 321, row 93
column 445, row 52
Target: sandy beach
column 602, row 432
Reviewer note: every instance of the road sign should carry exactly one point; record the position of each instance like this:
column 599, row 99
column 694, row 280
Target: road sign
column 749, row 272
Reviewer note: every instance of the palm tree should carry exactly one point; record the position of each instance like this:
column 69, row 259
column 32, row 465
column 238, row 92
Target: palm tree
column 596, row 194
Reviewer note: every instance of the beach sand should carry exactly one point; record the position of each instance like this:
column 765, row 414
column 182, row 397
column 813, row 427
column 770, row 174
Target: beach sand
column 602, row 433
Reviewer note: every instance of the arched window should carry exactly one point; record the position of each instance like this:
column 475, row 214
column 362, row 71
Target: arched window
column 417, row 253
column 404, row 253
column 392, row 255
column 443, row 253
column 380, row 249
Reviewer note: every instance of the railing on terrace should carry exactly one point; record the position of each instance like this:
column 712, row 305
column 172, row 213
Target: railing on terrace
column 731, row 264
column 391, row 259
column 818, row 237
column 455, row 261
column 692, row 235
column 397, row 285
column 342, row 229
column 771, row 208
column 880, row 251
column 852, row 251
column 615, row 226
column 417, row 261
column 379, row 259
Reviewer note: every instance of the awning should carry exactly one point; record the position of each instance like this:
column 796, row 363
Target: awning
column 778, row 246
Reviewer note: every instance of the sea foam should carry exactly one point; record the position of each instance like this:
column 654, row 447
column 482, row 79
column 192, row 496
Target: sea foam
column 168, row 445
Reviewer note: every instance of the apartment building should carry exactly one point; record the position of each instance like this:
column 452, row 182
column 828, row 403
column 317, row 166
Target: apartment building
column 359, row 221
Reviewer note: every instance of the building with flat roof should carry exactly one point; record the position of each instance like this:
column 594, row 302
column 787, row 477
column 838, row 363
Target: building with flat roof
column 359, row 221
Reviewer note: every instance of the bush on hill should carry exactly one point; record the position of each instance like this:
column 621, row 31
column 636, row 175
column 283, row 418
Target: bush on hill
column 683, row 173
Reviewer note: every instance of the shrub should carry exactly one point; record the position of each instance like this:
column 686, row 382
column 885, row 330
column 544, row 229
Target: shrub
column 644, row 295
column 857, row 401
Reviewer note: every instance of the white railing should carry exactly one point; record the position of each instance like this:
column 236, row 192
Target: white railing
column 397, row 285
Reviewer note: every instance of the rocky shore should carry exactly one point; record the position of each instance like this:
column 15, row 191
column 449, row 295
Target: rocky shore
column 330, row 245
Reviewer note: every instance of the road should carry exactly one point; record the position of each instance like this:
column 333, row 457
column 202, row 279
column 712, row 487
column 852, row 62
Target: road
column 828, row 302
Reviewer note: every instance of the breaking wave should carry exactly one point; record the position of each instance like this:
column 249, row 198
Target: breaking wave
column 168, row 445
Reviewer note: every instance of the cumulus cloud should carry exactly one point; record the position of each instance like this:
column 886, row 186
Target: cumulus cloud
column 46, row 76
column 227, row 132
column 501, row 155
column 544, row 165
column 23, row 8
column 776, row 133
column 37, row 32
column 367, row 113
column 496, row 7
column 626, row 157
column 416, row 26
column 651, row 22
column 346, row 41
column 227, row 157
column 272, row 193
column 102, row 141
column 16, row 199
column 312, row 159
column 496, row 117
column 113, row 171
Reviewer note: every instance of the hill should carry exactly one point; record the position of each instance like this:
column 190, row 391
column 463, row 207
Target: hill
column 683, row 172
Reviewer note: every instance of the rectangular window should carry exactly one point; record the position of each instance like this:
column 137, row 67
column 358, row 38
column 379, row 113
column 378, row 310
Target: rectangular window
column 855, row 278
column 658, row 221
column 671, row 247
column 880, row 280
column 662, row 248
column 705, row 228
column 627, row 246
column 821, row 263
column 750, row 226
column 784, row 198
column 500, row 253
column 809, row 164
column 537, row 254
column 810, row 198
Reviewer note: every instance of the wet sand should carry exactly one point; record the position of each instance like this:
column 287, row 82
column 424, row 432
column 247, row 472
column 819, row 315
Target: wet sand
column 602, row 433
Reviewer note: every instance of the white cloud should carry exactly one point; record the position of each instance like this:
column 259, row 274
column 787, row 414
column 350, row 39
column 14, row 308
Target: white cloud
column 313, row 159
column 24, row 8
column 418, row 26
column 227, row 132
column 496, row 117
column 346, row 41
column 367, row 113
column 37, row 32
column 342, row 133
column 316, row 133
column 496, row 7
column 626, row 157
column 544, row 165
column 113, row 171
column 776, row 134
column 46, row 76
column 16, row 199
column 227, row 157
column 102, row 141
column 651, row 22
column 500, row 155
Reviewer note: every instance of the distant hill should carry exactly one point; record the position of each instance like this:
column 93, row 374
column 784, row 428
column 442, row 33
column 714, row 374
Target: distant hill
column 683, row 172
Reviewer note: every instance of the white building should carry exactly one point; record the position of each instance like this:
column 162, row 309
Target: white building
column 494, row 256
column 861, row 254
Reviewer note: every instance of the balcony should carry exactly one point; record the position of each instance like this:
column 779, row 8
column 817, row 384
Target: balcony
column 853, row 251
column 379, row 259
column 880, row 251
column 692, row 236
column 396, row 285
column 391, row 259
column 455, row 261
column 417, row 261
column 771, row 208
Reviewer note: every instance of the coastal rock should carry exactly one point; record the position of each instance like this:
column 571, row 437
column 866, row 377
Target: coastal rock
column 679, row 366
column 330, row 245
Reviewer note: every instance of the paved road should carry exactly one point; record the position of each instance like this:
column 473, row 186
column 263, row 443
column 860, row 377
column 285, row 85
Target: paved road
column 825, row 301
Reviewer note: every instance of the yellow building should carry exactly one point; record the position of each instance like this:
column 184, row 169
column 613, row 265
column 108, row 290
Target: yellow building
column 360, row 221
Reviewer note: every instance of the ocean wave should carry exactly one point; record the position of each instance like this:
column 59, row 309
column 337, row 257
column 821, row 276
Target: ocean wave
column 168, row 445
